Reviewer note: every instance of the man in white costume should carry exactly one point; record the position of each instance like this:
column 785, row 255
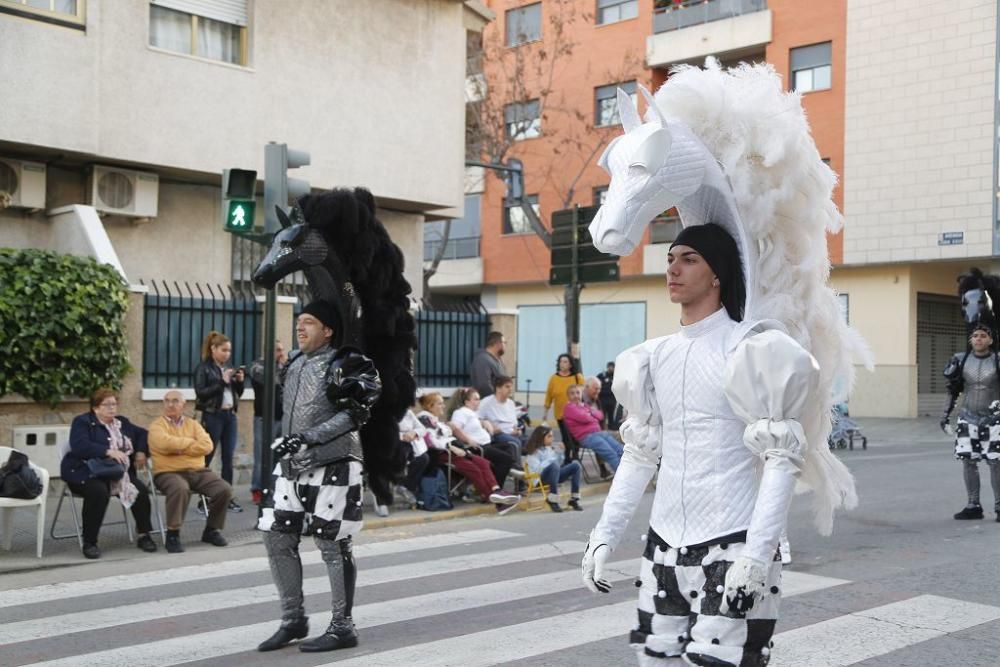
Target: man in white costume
column 730, row 408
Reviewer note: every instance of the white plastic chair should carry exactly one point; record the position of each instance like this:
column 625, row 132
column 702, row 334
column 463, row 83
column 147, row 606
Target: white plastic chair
column 8, row 505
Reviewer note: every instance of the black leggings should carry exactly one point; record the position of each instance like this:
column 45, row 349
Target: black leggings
column 96, row 496
column 500, row 460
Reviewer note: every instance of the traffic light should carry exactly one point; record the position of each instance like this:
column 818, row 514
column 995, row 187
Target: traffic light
column 279, row 189
column 239, row 188
column 514, row 179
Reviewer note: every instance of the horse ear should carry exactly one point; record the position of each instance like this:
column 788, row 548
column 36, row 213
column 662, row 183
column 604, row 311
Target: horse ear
column 652, row 105
column 627, row 111
column 282, row 217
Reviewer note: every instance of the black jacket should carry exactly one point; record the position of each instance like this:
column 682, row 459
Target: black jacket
column 209, row 387
column 89, row 439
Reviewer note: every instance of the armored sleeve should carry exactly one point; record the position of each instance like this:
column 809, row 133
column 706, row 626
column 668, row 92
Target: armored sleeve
column 354, row 387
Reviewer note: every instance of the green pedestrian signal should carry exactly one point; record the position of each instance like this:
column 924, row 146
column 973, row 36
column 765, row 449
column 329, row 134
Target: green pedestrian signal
column 239, row 216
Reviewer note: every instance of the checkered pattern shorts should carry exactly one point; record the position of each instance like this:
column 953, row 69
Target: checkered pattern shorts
column 680, row 591
column 975, row 442
column 325, row 502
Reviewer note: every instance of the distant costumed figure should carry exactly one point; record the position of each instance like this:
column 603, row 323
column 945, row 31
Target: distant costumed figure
column 750, row 383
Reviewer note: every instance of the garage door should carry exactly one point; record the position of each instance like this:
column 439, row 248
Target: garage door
column 940, row 334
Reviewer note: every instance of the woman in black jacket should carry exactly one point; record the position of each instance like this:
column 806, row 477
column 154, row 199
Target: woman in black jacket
column 218, row 389
column 102, row 434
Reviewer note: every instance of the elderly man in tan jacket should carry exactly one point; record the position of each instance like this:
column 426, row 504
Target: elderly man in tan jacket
column 178, row 446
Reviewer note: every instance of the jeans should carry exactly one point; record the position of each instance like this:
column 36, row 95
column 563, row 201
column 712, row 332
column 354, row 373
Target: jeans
column 221, row 426
column 605, row 446
column 554, row 473
column 258, row 451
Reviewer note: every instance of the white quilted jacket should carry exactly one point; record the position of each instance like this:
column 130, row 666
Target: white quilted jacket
column 681, row 392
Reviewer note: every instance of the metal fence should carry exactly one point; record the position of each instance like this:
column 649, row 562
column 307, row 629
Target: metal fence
column 456, row 248
column 176, row 319
column 447, row 340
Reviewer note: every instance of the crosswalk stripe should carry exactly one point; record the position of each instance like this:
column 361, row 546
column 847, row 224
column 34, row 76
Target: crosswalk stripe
column 52, row 626
column 565, row 631
column 866, row 634
column 223, row 642
column 186, row 574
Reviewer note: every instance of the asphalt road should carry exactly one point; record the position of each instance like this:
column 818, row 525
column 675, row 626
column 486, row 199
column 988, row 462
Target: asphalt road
column 899, row 583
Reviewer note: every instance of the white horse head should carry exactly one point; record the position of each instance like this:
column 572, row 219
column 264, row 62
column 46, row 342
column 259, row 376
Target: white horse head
column 656, row 166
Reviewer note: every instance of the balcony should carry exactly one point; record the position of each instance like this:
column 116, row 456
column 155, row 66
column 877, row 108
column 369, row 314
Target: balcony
column 690, row 30
column 461, row 267
column 456, row 248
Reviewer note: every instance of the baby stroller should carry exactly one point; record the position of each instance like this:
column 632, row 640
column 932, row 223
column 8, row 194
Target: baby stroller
column 845, row 430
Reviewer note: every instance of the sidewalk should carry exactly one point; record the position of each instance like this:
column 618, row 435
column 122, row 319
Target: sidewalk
column 240, row 528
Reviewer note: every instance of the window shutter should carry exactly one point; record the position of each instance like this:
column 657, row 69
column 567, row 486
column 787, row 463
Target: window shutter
column 808, row 57
column 227, row 11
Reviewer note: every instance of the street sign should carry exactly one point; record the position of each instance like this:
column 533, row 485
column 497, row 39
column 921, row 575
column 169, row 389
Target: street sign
column 573, row 245
column 239, row 216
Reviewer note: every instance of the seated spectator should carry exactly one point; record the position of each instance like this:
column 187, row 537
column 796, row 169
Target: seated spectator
column 542, row 458
column 584, row 423
column 474, row 434
column 411, row 431
column 592, row 398
column 474, row 468
column 103, row 434
column 500, row 411
column 178, row 446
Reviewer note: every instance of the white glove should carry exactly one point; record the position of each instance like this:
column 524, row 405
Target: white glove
column 745, row 582
column 594, row 558
column 949, row 429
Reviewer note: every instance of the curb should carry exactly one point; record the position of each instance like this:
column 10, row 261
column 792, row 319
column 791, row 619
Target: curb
column 414, row 517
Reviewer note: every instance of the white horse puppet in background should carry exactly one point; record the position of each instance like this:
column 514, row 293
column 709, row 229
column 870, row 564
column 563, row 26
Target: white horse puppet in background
column 733, row 148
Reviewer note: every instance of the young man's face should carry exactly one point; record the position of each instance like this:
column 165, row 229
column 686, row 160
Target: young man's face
column 689, row 277
column 311, row 333
column 981, row 341
column 504, row 391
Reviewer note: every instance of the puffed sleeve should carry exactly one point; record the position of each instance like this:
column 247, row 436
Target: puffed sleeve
column 768, row 381
column 633, row 387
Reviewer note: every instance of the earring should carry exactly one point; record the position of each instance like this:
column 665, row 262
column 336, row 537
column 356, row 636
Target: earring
column 715, row 283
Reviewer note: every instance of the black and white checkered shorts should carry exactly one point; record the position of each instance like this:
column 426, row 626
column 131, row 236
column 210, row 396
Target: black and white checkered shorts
column 325, row 502
column 976, row 442
column 680, row 591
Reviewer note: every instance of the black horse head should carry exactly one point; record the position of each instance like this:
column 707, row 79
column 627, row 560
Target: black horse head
column 295, row 248
column 980, row 300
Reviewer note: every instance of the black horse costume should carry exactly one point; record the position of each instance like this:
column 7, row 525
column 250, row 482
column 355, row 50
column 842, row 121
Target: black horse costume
column 980, row 294
column 343, row 398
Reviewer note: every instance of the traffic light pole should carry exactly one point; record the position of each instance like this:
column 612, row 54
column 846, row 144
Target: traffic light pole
column 572, row 295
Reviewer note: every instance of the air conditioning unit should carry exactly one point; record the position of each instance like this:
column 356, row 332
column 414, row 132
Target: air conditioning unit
column 42, row 444
column 24, row 182
column 124, row 191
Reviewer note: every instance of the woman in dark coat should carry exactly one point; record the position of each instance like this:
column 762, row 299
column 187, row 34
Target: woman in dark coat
column 102, row 434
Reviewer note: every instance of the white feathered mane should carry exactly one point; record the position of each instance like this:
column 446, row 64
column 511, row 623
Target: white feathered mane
column 759, row 134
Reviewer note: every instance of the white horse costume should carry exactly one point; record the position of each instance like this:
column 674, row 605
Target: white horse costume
column 730, row 148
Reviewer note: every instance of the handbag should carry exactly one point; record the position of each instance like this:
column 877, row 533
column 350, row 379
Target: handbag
column 105, row 469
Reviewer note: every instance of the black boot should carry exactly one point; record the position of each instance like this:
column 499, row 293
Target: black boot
column 331, row 640
column 970, row 512
column 285, row 635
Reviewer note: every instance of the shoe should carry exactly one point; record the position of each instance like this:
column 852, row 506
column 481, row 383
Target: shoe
column 173, row 544
column 285, row 636
column 501, row 497
column 503, row 509
column 91, row 551
column 234, row 507
column 214, row 537
column 382, row 510
column 971, row 512
column 575, row 504
column 146, row 543
column 201, row 508
column 554, row 506
column 406, row 495
column 329, row 641
column 256, row 496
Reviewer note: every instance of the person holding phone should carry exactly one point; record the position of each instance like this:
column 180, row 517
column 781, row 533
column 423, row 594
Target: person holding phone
column 218, row 388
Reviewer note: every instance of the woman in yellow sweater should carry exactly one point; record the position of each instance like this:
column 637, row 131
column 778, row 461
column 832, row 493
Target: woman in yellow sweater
column 555, row 395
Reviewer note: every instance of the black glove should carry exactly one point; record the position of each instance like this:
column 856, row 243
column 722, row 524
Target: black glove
column 290, row 444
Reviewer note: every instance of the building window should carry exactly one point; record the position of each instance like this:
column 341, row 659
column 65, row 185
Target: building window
column 523, row 120
column 606, row 103
column 845, row 307
column 811, row 68
column 61, row 12
column 524, row 24
column 612, row 11
column 600, row 194
column 514, row 219
column 214, row 30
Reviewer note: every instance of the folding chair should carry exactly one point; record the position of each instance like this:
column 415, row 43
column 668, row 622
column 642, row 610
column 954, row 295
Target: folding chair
column 8, row 505
column 534, row 484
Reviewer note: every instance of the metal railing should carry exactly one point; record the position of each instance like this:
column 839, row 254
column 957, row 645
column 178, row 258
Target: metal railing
column 178, row 316
column 460, row 248
column 447, row 340
column 669, row 15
